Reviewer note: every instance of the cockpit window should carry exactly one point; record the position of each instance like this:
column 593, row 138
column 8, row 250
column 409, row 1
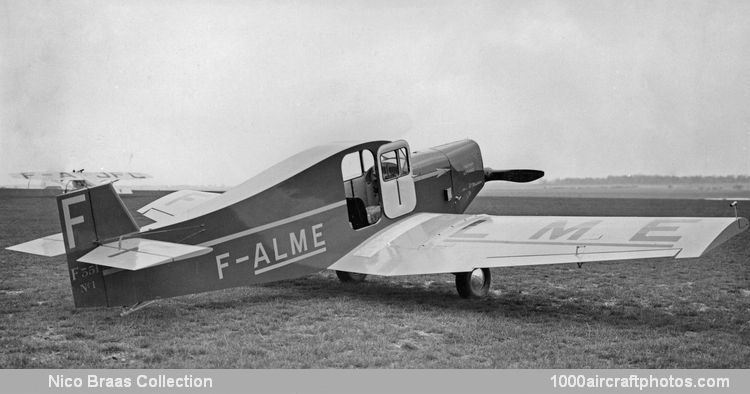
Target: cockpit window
column 361, row 188
column 355, row 164
column 403, row 162
column 394, row 164
column 351, row 166
column 389, row 165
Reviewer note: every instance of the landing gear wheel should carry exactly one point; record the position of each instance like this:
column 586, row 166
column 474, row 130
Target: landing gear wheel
column 350, row 277
column 474, row 284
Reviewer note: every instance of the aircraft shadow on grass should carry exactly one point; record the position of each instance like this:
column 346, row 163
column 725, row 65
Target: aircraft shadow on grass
column 416, row 296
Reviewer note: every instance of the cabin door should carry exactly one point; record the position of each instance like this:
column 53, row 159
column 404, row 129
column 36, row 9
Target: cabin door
column 396, row 182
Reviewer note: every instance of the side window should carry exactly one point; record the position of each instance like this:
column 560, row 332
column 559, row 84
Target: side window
column 355, row 164
column 389, row 165
column 362, row 188
column 403, row 162
column 394, row 164
column 368, row 160
column 351, row 166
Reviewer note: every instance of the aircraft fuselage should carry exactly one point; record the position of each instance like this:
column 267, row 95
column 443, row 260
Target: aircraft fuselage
column 299, row 226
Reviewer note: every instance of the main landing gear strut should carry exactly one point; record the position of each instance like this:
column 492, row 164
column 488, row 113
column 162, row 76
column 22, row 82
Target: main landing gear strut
column 351, row 277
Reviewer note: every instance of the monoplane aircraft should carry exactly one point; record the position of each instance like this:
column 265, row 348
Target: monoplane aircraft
column 370, row 208
column 78, row 179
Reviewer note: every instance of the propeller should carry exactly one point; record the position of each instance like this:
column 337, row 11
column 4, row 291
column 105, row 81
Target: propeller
column 519, row 176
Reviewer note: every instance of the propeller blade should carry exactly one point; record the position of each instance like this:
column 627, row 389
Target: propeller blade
column 519, row 176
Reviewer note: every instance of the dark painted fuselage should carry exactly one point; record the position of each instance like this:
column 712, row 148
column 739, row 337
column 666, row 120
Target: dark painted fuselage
column 296, row 227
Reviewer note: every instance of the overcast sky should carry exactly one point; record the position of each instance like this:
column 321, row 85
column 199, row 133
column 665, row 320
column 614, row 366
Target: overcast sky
column 212, row 92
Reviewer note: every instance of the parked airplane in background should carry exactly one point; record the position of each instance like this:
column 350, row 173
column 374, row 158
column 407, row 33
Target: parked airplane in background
column 372, row 208
column 78, row 179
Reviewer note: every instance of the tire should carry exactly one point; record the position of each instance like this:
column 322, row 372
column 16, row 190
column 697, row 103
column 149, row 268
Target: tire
column 350, row 277
column 474, row 284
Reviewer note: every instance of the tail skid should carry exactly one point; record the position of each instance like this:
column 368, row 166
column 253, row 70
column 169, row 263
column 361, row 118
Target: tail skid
column 135, row 308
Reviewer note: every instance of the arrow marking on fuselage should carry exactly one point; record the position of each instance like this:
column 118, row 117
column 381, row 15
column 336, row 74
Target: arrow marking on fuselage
column 437, row 174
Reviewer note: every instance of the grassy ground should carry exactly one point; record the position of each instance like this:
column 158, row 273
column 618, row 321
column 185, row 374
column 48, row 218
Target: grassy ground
column 639, row 314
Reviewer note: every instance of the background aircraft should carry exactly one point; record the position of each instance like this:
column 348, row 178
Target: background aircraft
column 78, row 179
column 371, row 208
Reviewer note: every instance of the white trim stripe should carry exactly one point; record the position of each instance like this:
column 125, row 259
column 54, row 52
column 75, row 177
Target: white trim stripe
column 290, row 261
column 273, row 224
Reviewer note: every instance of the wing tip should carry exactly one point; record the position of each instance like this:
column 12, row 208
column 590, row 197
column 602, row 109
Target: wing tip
column 732, row 229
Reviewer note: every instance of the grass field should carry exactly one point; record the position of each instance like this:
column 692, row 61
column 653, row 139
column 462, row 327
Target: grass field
column 639, row 314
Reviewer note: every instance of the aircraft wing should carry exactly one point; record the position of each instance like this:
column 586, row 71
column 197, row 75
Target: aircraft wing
column 174, row 204
column 35, row 175
column 446, row 243
column 89, row 178
column 103, row 176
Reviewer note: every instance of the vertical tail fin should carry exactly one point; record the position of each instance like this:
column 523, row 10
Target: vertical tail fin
column 88, row 217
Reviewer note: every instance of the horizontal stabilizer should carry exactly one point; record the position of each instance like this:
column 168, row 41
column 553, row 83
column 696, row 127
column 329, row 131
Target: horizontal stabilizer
column 174, row 204
column 137, row 253
column 50, row 246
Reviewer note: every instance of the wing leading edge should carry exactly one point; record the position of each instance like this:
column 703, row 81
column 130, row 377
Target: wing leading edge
column 445, row 243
